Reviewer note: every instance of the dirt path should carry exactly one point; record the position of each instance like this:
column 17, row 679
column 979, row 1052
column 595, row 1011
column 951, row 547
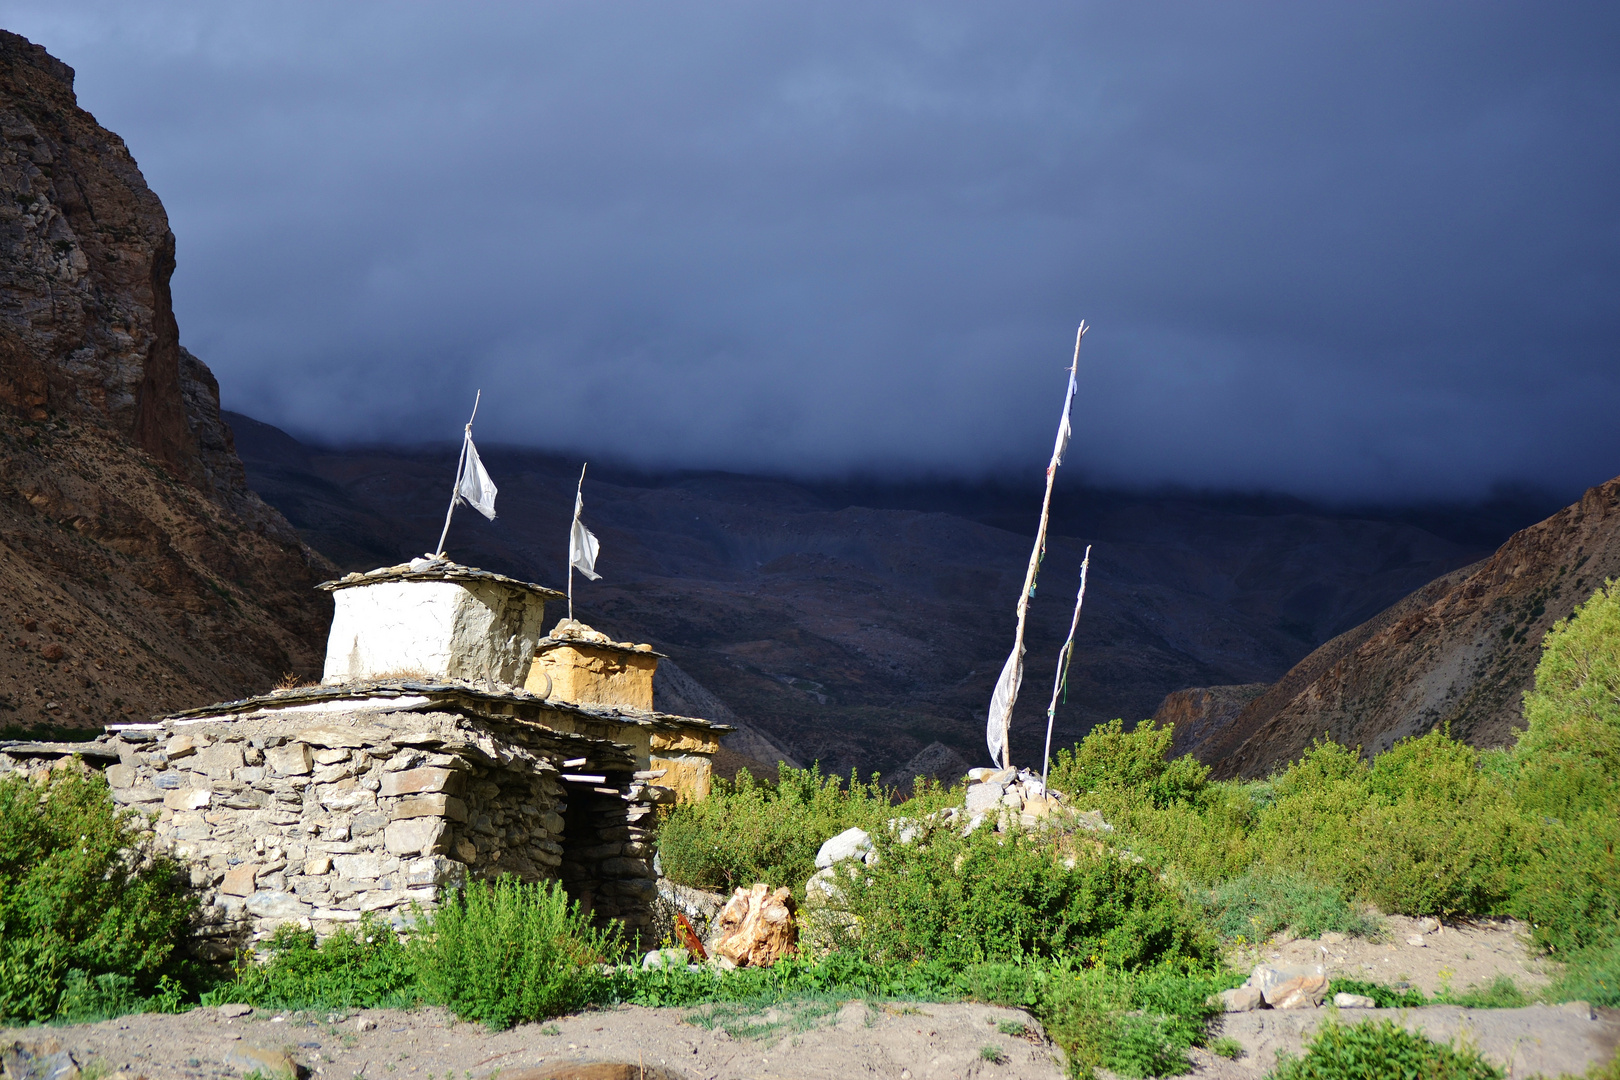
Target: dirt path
column 1540, row 1040
column 1461, row 954
column 806, row 1040
column 845, row 1041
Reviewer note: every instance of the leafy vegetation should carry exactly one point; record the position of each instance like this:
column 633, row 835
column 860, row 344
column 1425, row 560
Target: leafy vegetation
column 509, row 952
column 751, row 830
column 1384, row 1048
column 90, row 920
column 985, row 896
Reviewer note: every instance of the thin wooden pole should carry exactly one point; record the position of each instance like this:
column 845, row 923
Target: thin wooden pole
column 1064, row 656
column 579, row 495
column 461, row 465
column 1039, row 551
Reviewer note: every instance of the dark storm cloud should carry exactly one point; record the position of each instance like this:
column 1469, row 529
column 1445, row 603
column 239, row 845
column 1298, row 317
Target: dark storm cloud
column 1358, row 249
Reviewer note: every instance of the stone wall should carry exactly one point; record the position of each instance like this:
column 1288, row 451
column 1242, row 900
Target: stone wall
column 319, row 819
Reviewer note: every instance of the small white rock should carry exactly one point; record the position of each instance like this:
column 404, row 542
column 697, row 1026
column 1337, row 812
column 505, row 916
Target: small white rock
column 1416, row 940
column 364, row 1023
column 1354, row 1001
column 849, row 844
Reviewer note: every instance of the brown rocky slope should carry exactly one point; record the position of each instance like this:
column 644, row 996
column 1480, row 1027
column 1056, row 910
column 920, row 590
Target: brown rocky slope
column 138, row 572
column 1461, row 651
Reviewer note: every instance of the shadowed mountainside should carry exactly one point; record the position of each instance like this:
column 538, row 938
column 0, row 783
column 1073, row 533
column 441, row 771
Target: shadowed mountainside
column 1461, row 651
column 138, row 572
column 858, row 626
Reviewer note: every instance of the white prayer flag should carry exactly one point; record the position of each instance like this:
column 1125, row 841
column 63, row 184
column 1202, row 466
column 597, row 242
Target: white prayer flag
column 476, row 489
column 582, row 545
column 1001, row 702
column 1063, row 427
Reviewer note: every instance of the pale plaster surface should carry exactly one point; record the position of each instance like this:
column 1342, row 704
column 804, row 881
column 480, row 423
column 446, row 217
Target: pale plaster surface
column 433, row 629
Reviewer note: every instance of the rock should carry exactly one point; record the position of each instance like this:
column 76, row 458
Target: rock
column 756, row 928
column 342, row 736
column 1290, row 987
column 290, row 760
column 268, row 1063
column 269, row 904
column 1354, row 1001
column 365, row 1023
column 417, row 836
column 1427, row 926
column 984, row 798
column 120, row 776
column 420, row 781
column 1241, row 999
column 1093, row 820
column 1417, row 941
column 1332, row 937
column 44, row 1060
column 596, row 1070
column 670, row 958
column 435, row 805
column 239, row 880
column 180, row 746
column 849, row 844
column 189, row 799
column 235, row 1009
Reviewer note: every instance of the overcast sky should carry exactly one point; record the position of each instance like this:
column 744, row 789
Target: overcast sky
column 1355, row 250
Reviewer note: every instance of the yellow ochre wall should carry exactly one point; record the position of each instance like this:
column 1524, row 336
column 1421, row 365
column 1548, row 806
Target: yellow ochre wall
column 585, row 675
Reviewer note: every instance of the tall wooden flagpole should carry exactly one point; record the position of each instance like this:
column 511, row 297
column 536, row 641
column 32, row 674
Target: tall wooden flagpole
column 999, row 721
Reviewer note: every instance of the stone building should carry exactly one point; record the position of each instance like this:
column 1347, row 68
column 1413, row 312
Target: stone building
column 449, row 738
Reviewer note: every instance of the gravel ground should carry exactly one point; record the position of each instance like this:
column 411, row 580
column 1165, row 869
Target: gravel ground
column 834, row 1040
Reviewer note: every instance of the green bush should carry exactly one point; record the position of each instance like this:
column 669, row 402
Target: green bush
column 1565, row 770
column 81, row 899
column 748, row 831
column 1421, row 831
column 363, row 967
column 509, row 953
column 1259, row 903
column 1113, row 759
column 989, row 896
column 1381, row 1049
column 1591, row 974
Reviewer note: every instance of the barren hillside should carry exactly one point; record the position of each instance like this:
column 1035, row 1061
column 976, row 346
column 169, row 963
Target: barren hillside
column 137, row 570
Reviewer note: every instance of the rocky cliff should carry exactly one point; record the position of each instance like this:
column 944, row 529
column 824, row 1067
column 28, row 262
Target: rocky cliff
column 137, row 570
column 1460, row 651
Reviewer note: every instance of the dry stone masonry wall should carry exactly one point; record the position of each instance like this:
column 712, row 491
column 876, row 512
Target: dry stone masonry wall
column 320, row 819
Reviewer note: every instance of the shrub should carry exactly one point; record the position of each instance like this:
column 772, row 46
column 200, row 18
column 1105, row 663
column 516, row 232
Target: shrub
column 1260, row 903
column 1354, row 1051
column 509, row 953
column 962, row 900
column 1569, row 753
column 1113, row 759
column 1421, row 831
column 79, row 892
column 364, row 967
column 1591, row 974
column 747, row 831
